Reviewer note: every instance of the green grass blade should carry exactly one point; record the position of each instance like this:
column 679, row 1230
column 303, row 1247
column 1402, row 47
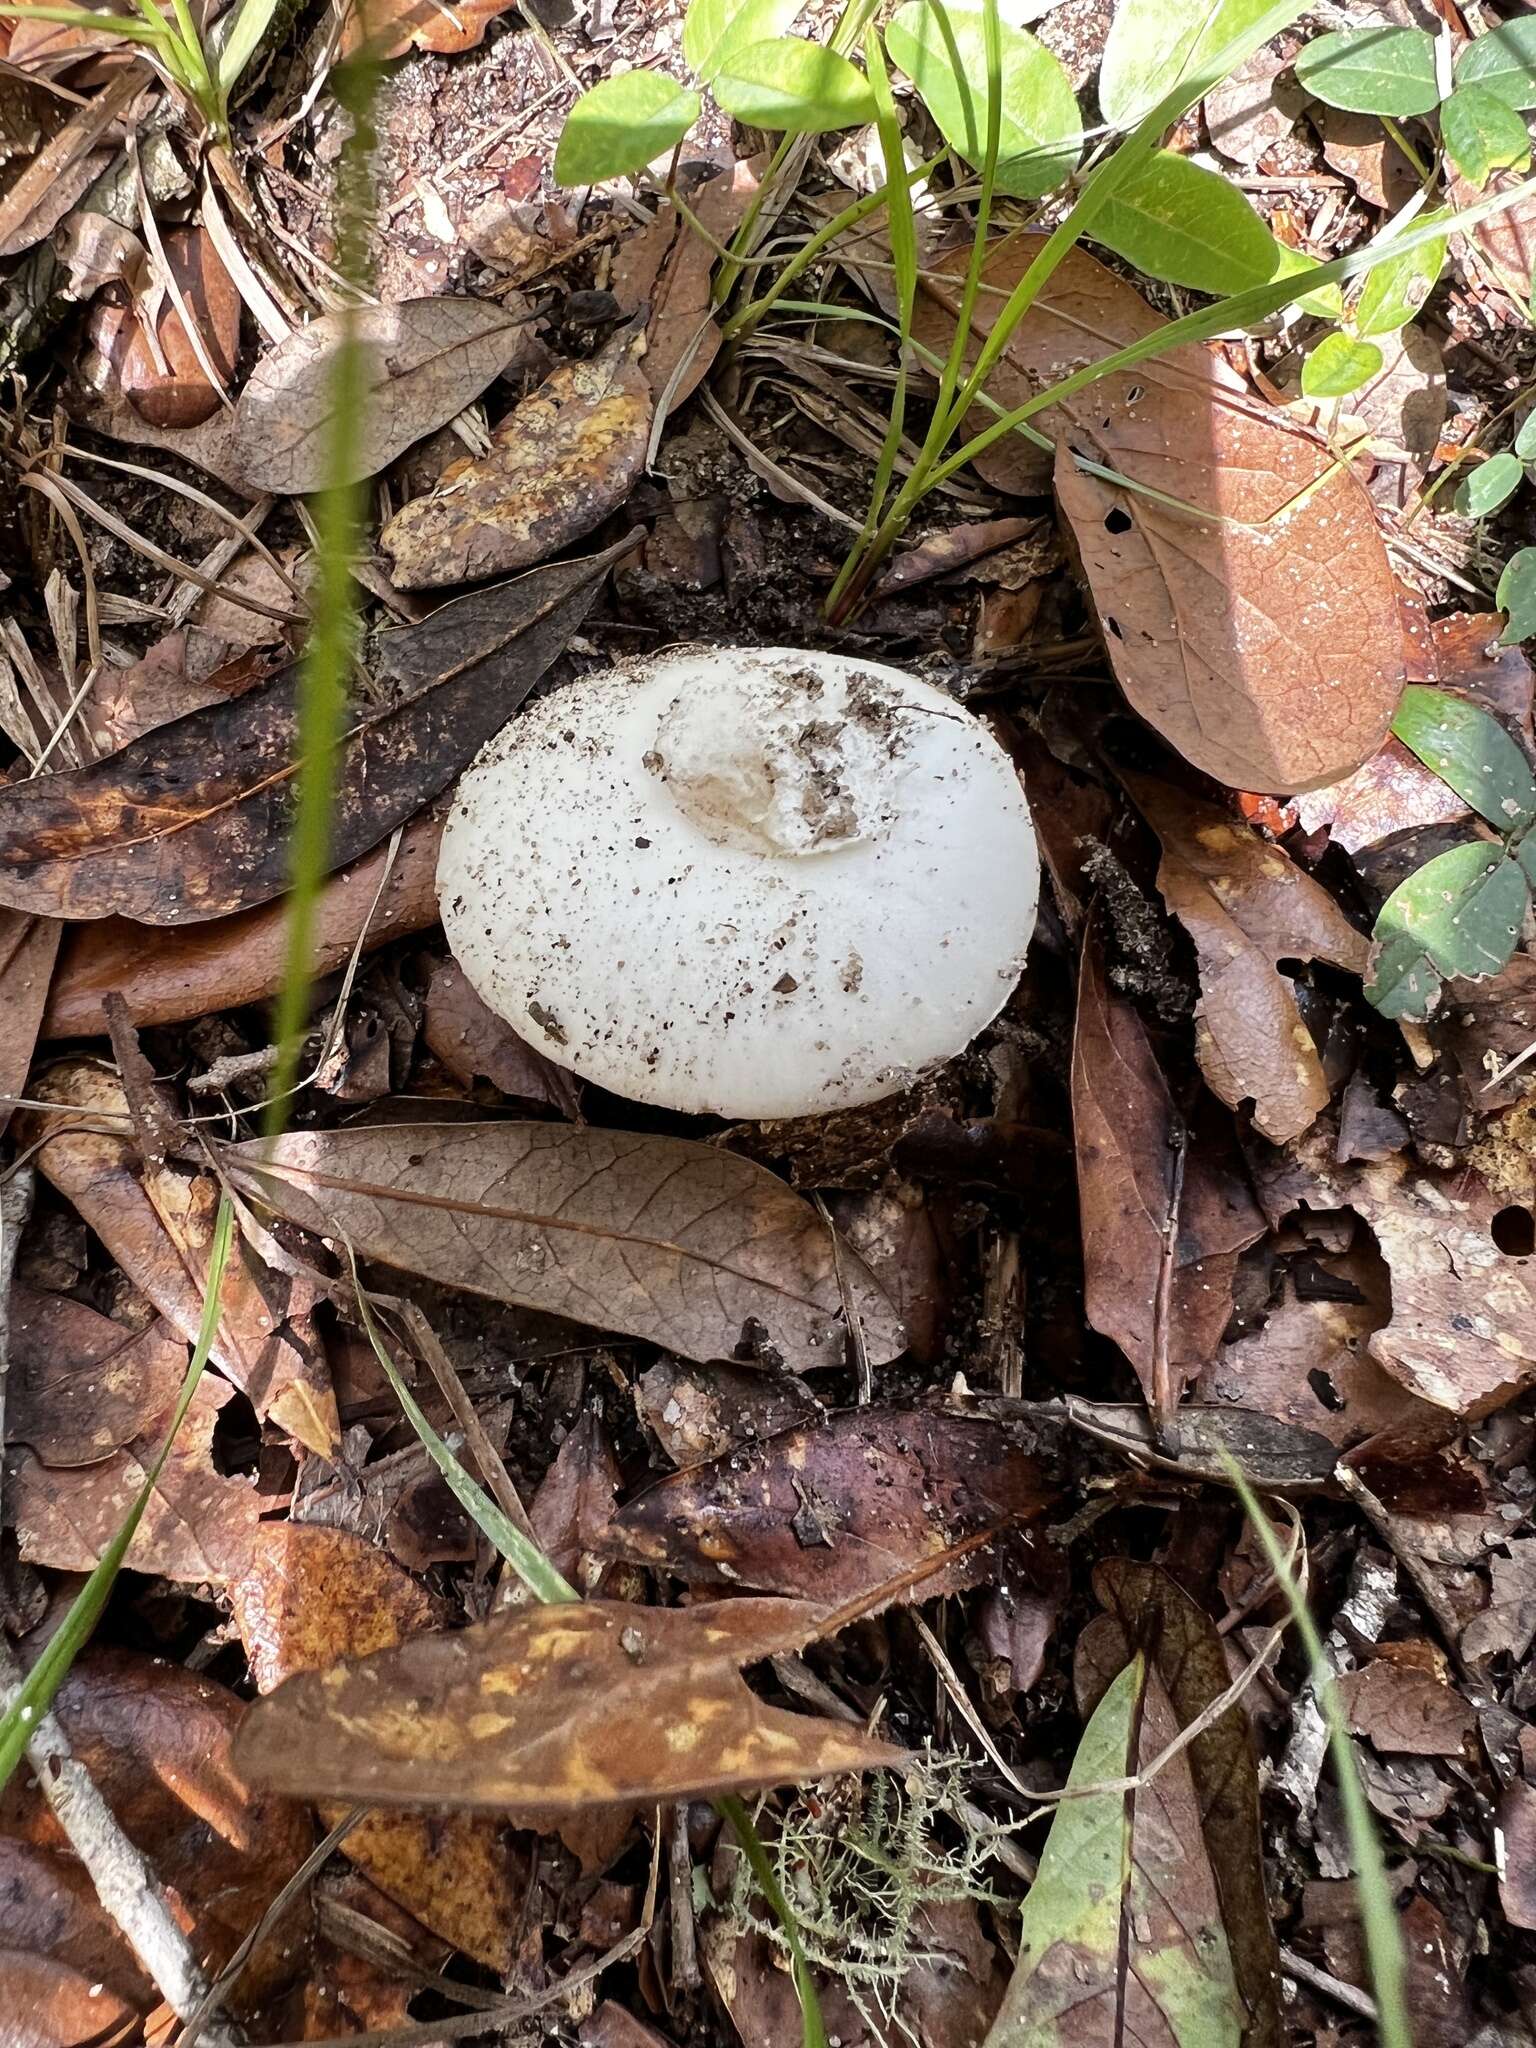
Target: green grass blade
column 733, row 1809
column 252, row 20
column 1378, row 1916
column 36, row 1694
column 84, row 18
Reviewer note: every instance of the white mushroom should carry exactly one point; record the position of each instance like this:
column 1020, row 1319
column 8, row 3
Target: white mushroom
column 746, row 880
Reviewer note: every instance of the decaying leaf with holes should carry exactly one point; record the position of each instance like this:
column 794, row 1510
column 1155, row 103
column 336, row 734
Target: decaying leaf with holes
column 1258, row 633
column 663, row 1238
column 194, row 820
column 158, row 1223
column 832, row 1510
column 560, row 462
column 1247, row 906
column 313, row 1595
column 1462, row 1333
column 556, row 1710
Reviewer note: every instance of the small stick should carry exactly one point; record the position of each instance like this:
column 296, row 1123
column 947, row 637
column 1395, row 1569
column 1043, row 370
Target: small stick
column 685, row 1949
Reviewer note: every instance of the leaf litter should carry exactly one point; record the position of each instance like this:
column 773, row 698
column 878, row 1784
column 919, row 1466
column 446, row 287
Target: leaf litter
column 730, row 1379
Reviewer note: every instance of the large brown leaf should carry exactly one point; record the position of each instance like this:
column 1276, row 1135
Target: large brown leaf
column 192, row 821
column 1160, row 1246
column 1247, row 906
column 1263, row 641
column 555, row 1710
column 28, row 949
column 425, row 360
column 662, row 1238
column 830, row 1511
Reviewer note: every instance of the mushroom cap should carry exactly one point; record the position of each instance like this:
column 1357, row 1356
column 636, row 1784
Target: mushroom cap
column 751, row 881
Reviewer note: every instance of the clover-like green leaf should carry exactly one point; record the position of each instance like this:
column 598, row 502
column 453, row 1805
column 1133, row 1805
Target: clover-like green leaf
column 712, row 29
column 621, row 124
column 1517, row 596
column 1339, row 365
column 1372, row 70
column 1503, row 62
column 942, row 50
column 1468, row 748
column 1458, row 915
column 1482, row 133
column 1492, row 484
column 794, row 87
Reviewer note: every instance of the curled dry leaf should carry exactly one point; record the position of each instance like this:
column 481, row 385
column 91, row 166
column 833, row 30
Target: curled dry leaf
column 1247, row 906
column 573, row 1507
column 561, row 461
column 423, row 361
column 193, row 821
column 668, row 268
column 166, row 976
column 1462, row 1334
column 314, row 1595
column 1258, row 634
column 81, row 1386
column 556, row 1710
column 158, row 1223
column 156, row 1741
column 174, row 390
column 384, row 29
column 471, row 1041
column 833, row 1510
column 661, row 1238
column 1163, row 1222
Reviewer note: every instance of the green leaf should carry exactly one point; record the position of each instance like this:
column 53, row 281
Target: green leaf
column 1460, row 914
column 713, row 29
column 1517, row 596
column 1120, row 1936
column 1041, row 135
column 793, row 87
column 1492, row 484
column 1525, row 440
column 1339, row 365
column 621, row 124
column 1503, row 62
column 238, row 44
column 1396, row 289
column 1152, row 44
column 1467, row 747
column 1189, row 226
column 1372, row 70
column 1482, row 134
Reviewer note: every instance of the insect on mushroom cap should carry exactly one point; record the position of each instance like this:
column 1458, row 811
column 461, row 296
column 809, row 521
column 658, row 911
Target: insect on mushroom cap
column 751, row 881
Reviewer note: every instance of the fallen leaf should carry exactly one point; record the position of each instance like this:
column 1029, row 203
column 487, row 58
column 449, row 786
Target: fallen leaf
column 49, row 1908
column 1507, row 1626
column 559, row 463
column 697, row 1413
column 1462, row 1334
column 1163, row 1223
column 97, row 402
column 68, row 163
column 1404, row 1712
column 385, row 29
column 662, row 1238
column 28, row 949
column 1254, row 107
column 129, row 702
column 1391, row 792
column 174, row 391
column 1247, row 907
column 471, row 1041
column 64, row 2008
column 312, row 1596
column 423, row 361
column 1506, row 241
column 167, row 976
column 957, row 547
column 832, row 1510
column 669, row 268
column 1121, row 1935
column 573, row 1507
column 1263, row 641
column 556, row 1710
column 156, row 1741
column 1517, row 1874
column 193, row 821
column 81, row 1386
column 158, row 1223
column 1485, row 1026
column 1358, row 147
column 1156, row 1616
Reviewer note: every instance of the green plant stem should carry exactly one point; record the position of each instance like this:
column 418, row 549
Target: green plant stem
column 37, row 1692
column 1423, row 171
column 326, row 670
column 733, row 1809
column 1378, row 1921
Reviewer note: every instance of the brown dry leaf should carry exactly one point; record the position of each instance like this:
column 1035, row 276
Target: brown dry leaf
column 556, row 1710
column 559, row 463
column 166, row 976
column 1507, row 1625
column 424, row 361
column 836, row 1509
column 156, row 1741
column 28, row 949
column 1462, row 1335
column 1254, row 107
column 1358, row 147
column 1389, row 793
column 1161, row 1239
column 1310, row 1363
column 573, row 1507
column 1247, row 907
column 129, row 702
column 81, row 1386
column 193, row 821
column 698, row 1413
column 1265, row 645
column 1506, row 241
column 49, row 1907
column 179, row 393
column 662, row 1238
column 669, row 268
column 1406, row 1712
column 1517, row 1879
column 384, row 29
column 314, row 1595
column 62, row 2007
column 1485, row 1026
column 67, row 164
column 471, row 1040
column 158, row 1223
column 198, row 1525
